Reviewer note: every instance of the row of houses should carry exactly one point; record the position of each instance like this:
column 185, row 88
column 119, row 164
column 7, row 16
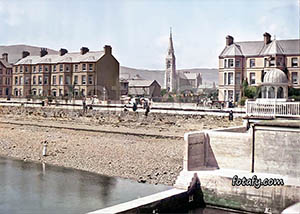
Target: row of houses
column 76, row 75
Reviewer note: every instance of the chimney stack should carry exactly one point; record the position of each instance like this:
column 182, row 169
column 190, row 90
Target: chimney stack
column 5, row 56
column 63, row 51
column 267, row 38
column 25, row 54
column 43, row 52
column 107, row 49
column 229, row 40
column 84, row 50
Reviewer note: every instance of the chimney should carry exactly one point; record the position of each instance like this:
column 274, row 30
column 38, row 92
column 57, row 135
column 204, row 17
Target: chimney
column 25, row 54
column 107, row 49
column 5, row 56
column 267, row 38
column 84, row 50
column 63, row 51
column 229, row 40
column 43, row 52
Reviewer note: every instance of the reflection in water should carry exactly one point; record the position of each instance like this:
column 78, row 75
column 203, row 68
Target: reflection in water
column 39, row 188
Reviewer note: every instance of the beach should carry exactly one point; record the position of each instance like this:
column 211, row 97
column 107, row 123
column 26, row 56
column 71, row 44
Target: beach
column 120, row 144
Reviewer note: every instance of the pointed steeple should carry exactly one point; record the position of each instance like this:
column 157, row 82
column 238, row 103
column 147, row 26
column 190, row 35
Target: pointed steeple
column 171, row 48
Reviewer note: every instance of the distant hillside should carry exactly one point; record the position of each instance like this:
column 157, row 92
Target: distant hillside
column 15, row 51
column 209, row 75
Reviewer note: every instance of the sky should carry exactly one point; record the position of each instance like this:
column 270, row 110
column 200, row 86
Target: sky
column 138, row 30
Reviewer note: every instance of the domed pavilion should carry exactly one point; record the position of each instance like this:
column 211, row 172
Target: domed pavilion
column 275, row 84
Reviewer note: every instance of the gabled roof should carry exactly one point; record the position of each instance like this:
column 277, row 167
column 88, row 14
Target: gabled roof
column 273, row 48
column 233, row 50
column 77, row 57
column 140, row 83
column 258, row 48
column 6, row 64
column 191, row 75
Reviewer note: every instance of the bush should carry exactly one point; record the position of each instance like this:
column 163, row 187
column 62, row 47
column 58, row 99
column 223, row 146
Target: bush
column 243, row 101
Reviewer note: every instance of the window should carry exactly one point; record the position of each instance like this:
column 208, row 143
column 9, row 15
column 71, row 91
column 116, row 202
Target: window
column 16, row 69
column 16, row 80
column 225, row 78
column 68, row 80
column 279, row 61
column 75, row 80
column 83, row 80
column 54, row 68
column 21, row 69
column 252, row 63
column 230, row 78
column 272, row 61
column 61, row 68
column 46, row 80
column 34, row 69
column 225, row 63
column 0, row 82
column 230, row 63
column 20, row 80
column 237, row 63
column 26, row 69
column 40, row 68
column 84, row 67
column 238, row 78
column 54, row 80
column 90, row 79
column 294, row 62
column 60, row 92
column 46, row 68
column 90, row 67
column 34, row 80
column 0, row 91
column 252, row 78
column 67, row 68
column 265, row 62
column 294, row 77
column 40, row 80
column 61, row 80
column 76, row 67
column 26, row 80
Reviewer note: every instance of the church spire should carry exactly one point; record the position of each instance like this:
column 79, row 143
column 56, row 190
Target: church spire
column 171, row 48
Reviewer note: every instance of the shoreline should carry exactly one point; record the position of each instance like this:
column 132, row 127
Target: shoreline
column 146, row 159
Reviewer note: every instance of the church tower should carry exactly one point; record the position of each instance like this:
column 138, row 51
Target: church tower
column 170, row 74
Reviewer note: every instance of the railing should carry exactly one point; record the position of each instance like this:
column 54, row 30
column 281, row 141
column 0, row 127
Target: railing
column 273, row 108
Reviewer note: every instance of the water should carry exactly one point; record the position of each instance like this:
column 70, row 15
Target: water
column 29, row 188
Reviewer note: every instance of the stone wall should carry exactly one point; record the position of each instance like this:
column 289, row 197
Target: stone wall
column 277, row 151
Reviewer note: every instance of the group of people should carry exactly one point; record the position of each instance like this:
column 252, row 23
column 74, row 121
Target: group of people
column 143, row 101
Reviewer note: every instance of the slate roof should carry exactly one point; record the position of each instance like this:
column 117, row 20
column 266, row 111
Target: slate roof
column 6, row 64
column 77, row 57
column 140, row 83
column 191, row 75
column 258, row 48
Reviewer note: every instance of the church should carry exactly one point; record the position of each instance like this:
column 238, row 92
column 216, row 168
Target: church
column 178, row 81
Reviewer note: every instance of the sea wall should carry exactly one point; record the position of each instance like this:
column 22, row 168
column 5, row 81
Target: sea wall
column 265, row 151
